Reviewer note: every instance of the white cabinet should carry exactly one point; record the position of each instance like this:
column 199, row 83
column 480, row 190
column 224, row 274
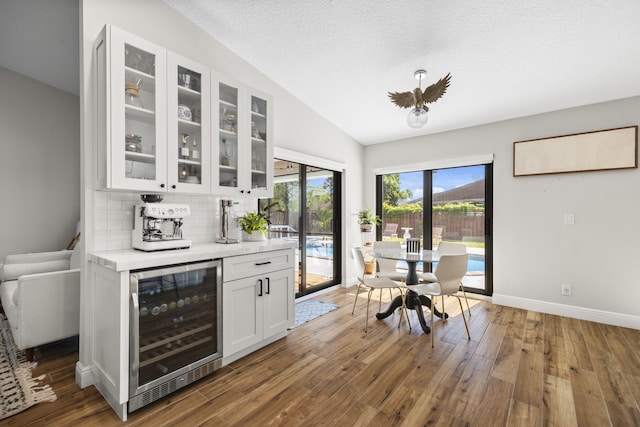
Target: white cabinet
column 258, row 301
column 153, row 112
column 243, row 146
column 131, row 131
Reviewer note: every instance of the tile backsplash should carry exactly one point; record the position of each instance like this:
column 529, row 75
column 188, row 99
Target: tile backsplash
column 113, row 218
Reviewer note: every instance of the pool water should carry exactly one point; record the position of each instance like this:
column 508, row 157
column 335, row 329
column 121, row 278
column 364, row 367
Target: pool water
column 476, row 263
column 324, row 249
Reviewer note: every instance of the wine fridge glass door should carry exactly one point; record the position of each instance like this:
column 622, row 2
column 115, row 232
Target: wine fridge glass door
column 175, row 321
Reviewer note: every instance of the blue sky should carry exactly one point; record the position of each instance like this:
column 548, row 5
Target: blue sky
column 443, row 179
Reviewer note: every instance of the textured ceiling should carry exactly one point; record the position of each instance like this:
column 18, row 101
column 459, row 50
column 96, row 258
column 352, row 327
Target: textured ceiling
column 508, row 58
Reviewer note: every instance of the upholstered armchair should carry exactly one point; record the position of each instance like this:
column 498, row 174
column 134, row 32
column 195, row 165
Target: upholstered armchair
column 40, row 294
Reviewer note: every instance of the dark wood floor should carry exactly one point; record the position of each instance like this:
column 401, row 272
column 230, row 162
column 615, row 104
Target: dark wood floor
column 520, row 368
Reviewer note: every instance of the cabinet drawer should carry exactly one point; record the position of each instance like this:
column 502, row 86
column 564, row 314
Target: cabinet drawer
column 255, row 264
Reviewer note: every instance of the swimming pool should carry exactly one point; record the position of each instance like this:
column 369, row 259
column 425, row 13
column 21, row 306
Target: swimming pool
column 320, row 248
column 476, row 263
column 324, row 249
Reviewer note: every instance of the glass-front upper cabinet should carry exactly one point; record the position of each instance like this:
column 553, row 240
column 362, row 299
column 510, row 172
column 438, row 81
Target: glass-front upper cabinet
column 131, row 108
column 189, row 126
column 244, row 148
column 261, row 151
column 227, row 180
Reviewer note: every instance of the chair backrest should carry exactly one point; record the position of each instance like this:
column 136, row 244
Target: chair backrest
column 413, row 244
column 390, row 229
column 358, row 259
column 450, row 248
column 383, row 263
column 450, row 271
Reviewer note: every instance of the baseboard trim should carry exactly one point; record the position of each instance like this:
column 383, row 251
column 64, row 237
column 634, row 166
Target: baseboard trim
column 84, row 375
column 582, row 313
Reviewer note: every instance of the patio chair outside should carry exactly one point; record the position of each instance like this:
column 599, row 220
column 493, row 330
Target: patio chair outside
column 390, row 230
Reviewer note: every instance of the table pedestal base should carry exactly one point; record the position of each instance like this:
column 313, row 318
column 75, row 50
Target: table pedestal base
column 414, row 302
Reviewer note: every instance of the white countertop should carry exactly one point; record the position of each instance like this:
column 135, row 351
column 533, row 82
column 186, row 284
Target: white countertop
column 132, row 259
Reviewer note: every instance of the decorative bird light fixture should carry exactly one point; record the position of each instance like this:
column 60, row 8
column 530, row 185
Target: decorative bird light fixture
column 417, row 99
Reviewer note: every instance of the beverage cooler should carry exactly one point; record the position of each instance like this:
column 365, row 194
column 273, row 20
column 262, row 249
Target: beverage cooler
column 175, row 336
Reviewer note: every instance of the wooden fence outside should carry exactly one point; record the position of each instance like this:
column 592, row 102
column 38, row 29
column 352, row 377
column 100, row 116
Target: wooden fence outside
column 455, row 227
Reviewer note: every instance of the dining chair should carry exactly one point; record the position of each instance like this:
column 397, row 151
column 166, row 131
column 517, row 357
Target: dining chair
column 449, row 272
column 373, row 283
column 448, row 248
column 387, row 267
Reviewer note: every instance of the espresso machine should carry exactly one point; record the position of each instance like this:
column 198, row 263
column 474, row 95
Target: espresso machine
column 158, row 226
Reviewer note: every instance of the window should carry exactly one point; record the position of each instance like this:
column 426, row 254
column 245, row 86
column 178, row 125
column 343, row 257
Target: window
column 456, row 205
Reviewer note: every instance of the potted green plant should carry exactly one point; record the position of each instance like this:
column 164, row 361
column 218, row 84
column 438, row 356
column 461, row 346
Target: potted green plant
column 367, row 220
column 254, row 226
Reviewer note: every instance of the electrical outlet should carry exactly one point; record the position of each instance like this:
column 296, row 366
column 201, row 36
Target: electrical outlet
column 566, row 290
column 569, row 219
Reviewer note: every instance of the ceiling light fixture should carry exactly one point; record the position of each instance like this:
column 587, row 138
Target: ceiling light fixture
column 417, row 98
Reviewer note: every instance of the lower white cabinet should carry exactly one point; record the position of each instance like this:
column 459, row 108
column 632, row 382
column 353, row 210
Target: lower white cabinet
column 257, row 309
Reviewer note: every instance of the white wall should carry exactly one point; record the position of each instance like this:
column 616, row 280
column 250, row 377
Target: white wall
column 534, row 252
column 39, row 165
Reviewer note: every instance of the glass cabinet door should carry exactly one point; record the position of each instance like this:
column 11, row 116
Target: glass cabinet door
column 258, row 143
column 228, row 141
column 130, row 109
column 189, row 126
column 138, row 109
column 244, row 146
column 261, row 144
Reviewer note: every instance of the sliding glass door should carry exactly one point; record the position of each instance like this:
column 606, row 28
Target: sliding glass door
column 456, row 203
column 306, row 208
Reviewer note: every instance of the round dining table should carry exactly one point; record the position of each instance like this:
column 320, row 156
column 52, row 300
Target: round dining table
column 413, row 301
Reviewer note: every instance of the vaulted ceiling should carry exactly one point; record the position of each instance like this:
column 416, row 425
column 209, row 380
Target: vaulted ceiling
column 508, row 58
column 341, row 57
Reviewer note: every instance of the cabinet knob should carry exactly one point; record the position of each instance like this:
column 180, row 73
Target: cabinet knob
column 248, row 191
column 161, row 185
column 173, row 186
column 241, row 191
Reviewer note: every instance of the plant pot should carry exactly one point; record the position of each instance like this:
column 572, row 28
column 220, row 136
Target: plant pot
column 255, row 236
column 369, row 267
column 365, row 228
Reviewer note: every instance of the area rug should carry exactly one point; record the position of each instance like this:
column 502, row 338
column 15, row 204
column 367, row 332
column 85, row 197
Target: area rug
column 310, row 309
column 18, row 389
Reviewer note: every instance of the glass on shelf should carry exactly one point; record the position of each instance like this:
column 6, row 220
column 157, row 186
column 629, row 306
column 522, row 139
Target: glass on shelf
column 228, row 95
column 196, row 115
column 195, row 149
column 254, row 130
column 225, row 158
column 190, row 174
column 229, row 122
column 189, row 79
column 139, row 60
column 133, row 143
